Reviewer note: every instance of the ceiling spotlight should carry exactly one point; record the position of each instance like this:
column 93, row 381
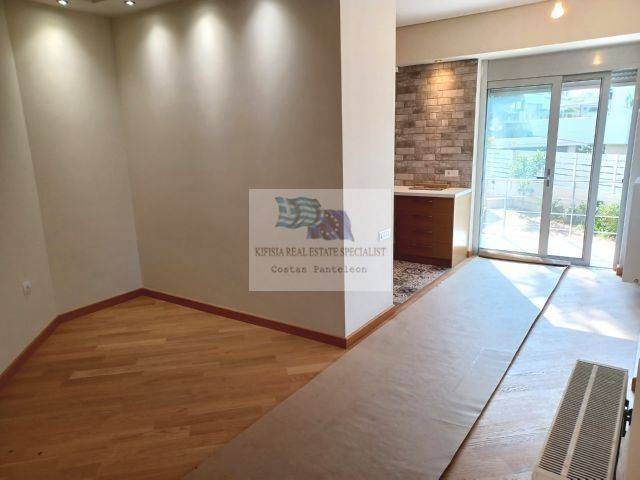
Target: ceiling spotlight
column 130, row 3
column 63, row 3
column 558, row 11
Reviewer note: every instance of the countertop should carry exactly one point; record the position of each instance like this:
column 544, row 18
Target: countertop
column 448, row 193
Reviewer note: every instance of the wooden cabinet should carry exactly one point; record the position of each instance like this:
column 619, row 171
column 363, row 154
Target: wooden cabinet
column 432, row 230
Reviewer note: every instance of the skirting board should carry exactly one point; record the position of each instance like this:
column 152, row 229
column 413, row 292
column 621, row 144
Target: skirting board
column 63, row 317
column 28, row 351
column 341, row 342
column 247, row 317
column 348, row 342
column 394, row 310
column 370, row 326
column 95, row 307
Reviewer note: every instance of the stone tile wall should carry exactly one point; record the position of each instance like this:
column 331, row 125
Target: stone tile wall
column 435, row 113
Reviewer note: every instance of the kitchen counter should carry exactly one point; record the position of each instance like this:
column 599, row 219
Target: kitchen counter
column 432, row 226
column 447, row 193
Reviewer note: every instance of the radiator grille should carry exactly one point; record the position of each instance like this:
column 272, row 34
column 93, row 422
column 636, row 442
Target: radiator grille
column 600, row 427
column 584, row 437
column 555, row 451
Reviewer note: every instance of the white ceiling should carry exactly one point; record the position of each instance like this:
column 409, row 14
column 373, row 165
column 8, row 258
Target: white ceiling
column 107, row 7
column 410, row 12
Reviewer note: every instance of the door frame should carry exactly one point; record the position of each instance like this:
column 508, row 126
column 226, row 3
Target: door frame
column 556, row 82
column 596, row 164
column 514, row 64
column 550, row 167
column 631, row 143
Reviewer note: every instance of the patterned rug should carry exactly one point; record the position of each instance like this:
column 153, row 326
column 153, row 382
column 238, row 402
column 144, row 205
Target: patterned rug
column 410, row 277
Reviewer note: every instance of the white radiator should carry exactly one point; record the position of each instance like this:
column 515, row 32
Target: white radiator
column 585, row 435
column 631, row 267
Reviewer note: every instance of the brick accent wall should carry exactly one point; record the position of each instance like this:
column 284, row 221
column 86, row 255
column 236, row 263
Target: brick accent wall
column 435, row 113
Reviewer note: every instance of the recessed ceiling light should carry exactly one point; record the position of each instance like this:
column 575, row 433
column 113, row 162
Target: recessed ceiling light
column 558, row 11
column 130, row 3
column 63, row 3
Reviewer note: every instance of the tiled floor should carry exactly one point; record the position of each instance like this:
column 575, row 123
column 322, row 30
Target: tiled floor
column 410, row 277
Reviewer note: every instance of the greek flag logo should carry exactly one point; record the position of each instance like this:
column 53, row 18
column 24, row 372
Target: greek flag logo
column 320, row 223
column 298, row 212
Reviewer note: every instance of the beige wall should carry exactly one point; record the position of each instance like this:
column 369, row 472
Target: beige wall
column 216, row 97
column 522, row 27
column 23, row 253
column 67, row 78
column 367, row 35
column 219, row 97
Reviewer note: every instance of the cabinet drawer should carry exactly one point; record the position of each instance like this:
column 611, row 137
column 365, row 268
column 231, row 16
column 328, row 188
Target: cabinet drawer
column 424, row 220
column 423, row 248
column 423, row 205
column 424, row 233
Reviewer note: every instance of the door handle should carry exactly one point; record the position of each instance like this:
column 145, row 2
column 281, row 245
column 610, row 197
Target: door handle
column 546, row 178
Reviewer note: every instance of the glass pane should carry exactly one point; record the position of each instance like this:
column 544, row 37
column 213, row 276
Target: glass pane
column 576, row 137
column 515, row 154
column 614, row 159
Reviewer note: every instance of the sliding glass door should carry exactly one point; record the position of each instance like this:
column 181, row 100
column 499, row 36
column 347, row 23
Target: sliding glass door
column 548, row 188
column 610, row 204
column 516, row 140
column 574, row 168
column 518, row 160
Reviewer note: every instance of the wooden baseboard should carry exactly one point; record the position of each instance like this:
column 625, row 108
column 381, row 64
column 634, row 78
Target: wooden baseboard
column 48, row 330
column 370, row 326
column 348, row 342
column 28, row 351
column 101, row 305
column 364, row 331
column 125, row 297
column 247, row 317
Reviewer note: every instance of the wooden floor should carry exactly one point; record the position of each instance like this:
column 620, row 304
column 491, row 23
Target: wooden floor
column 147, row 390
column 593, row 316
